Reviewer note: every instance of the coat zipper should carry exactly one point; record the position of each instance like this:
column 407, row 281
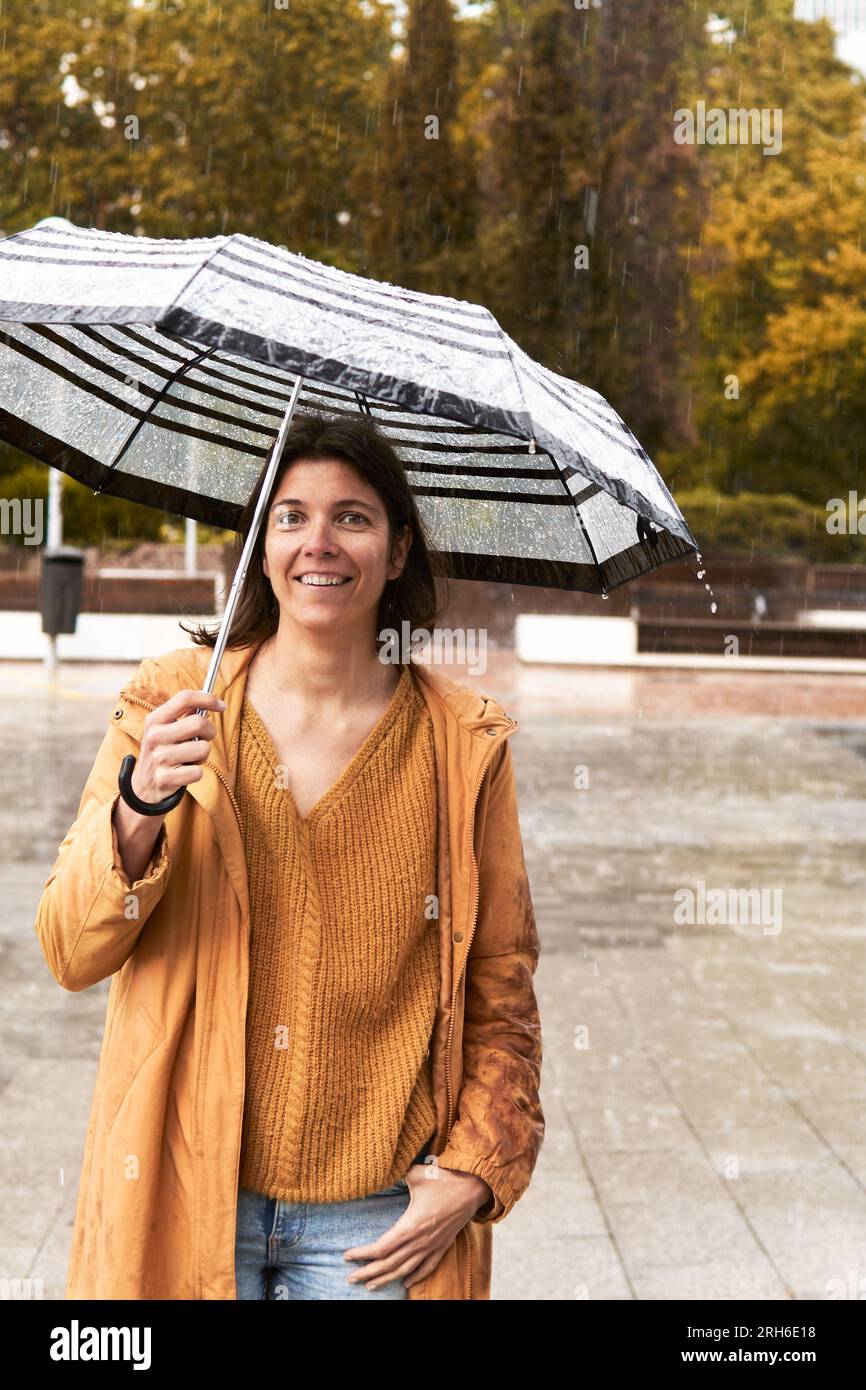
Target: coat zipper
column 473, row 920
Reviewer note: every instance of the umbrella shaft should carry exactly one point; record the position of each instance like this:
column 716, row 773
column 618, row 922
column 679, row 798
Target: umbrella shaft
column 241, row 572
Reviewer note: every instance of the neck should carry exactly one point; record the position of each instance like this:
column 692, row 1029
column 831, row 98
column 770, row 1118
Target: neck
column 324, row 671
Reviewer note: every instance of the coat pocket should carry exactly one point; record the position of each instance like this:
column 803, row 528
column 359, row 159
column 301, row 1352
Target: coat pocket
column 130, row 1047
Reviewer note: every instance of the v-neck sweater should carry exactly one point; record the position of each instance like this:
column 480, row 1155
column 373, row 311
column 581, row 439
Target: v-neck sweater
column 343, row 962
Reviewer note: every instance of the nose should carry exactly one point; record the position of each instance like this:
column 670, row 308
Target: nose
column 320, row 536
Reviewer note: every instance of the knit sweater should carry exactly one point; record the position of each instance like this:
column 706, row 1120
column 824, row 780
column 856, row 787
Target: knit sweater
column 344, row 962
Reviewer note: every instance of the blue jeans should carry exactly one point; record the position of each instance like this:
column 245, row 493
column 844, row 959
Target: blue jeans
column 294, row 1250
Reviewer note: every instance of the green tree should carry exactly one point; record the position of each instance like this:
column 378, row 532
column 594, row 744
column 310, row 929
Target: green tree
column 416, row 184
column 636, row 311
column 532, row 134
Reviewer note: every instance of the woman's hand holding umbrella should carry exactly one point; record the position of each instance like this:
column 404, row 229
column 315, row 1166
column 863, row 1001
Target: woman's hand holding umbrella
column 173, row 743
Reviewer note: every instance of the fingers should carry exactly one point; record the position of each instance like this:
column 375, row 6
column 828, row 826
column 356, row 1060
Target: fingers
column 173, row 743
column 194, row 751
column 400, row 1249
column 427, row 1266
column 409, row 1265
column 183, row 702
column 172, row 721
column 392, row 1239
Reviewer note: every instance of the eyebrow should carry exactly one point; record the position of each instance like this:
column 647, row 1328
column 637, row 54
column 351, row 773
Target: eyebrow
column 297, row 502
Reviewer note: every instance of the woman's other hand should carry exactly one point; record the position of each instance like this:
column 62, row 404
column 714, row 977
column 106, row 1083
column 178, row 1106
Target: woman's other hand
column 442, row 1201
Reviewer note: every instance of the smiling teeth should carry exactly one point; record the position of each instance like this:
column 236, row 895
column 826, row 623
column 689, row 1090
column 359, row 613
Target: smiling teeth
column 318, row 580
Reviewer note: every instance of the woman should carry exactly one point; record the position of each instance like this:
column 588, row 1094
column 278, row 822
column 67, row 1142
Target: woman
column 322, row 958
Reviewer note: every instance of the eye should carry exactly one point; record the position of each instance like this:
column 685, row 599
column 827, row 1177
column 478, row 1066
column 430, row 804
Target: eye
column 359, row 515
column 283, row 516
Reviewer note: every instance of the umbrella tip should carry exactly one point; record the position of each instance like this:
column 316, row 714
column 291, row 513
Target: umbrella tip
column 54, row 221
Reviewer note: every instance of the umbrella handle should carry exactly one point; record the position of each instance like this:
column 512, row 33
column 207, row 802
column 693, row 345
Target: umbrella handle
column 144, row 808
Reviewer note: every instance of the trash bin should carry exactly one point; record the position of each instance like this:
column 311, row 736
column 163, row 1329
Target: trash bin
column 60, row 588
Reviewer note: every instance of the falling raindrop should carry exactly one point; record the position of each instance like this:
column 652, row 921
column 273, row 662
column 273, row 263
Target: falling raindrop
column 699, row 574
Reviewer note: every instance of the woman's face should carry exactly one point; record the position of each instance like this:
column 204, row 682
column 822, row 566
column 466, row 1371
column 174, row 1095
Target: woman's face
column 327, row 522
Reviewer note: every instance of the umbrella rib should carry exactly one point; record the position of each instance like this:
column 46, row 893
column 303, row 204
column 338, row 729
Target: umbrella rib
column 175, row 376
column 513, row 367
column 576, row 510
column 569, row 494
column 575, row 507
column 586, row 536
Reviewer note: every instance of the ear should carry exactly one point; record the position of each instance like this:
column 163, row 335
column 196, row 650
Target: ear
column 399, row 552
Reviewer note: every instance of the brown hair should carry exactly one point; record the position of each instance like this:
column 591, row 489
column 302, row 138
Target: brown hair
column 358, row 440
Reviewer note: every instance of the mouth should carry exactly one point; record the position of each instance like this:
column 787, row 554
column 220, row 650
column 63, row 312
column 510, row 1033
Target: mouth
column 313, row 580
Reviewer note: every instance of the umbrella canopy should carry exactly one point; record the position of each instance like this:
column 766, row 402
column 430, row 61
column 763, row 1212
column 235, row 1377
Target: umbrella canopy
column 160, row 371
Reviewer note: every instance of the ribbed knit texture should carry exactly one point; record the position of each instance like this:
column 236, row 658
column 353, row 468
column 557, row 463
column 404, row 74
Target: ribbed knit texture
column 344, row 962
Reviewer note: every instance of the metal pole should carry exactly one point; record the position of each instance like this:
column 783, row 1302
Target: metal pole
column 241, row 572
column 190, row 562
column 53, row 540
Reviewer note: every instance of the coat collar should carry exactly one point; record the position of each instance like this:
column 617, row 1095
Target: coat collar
column 158, row 678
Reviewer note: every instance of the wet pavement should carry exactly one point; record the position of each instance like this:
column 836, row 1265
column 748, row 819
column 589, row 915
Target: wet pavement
column 704, row 1074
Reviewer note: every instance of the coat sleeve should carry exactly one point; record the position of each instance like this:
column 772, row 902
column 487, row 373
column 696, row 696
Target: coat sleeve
column 90, row 916
column 499, row 1125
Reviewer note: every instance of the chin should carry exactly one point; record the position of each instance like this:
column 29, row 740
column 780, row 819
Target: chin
column 320, row 622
